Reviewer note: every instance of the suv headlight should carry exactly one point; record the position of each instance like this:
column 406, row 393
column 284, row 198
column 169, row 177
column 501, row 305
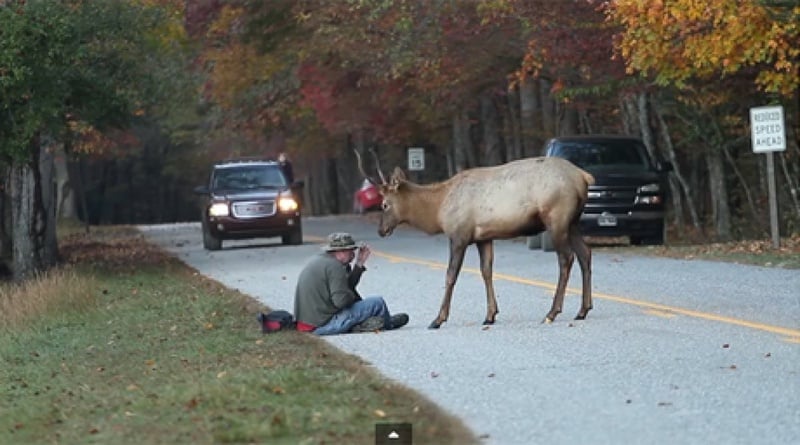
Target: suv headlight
column 219, row 209
column 287, row 203
column 649, row 188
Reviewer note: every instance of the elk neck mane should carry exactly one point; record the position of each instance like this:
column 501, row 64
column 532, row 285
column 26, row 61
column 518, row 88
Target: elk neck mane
column 422, row 204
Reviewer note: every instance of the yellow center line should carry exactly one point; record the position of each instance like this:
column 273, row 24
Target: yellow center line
column 663, row 310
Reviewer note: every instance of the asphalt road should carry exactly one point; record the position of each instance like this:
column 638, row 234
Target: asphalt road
column 674, row 351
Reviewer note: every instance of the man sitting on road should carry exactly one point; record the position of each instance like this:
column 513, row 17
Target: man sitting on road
column 326, row 301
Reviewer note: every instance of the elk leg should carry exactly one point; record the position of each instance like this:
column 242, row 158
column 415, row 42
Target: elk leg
column 584, row 254
column 453, row 268
column 486, row 253
column 565, row 260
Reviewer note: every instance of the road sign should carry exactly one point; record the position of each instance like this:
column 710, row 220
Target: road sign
column 767, row 129
column 416, row 159
column 769, row 135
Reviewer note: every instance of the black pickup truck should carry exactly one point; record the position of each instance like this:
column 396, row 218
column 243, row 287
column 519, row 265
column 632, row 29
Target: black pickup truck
column 630, row 190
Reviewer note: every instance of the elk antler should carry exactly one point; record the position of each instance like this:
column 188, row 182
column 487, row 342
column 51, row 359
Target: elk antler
column 361, row 167
column 378, row 165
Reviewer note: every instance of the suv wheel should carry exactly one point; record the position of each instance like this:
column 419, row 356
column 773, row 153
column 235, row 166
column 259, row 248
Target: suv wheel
column 294, row 238
column 210, row 242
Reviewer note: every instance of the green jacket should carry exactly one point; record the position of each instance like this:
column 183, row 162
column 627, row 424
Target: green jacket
column 325, row 286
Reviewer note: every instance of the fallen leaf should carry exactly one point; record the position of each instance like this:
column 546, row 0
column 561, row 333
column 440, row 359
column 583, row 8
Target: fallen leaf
column 129, row 414
column 485, row 328
column 222, row 374
column 726, row 346
column 191, row 404
column 278, row 390
column 209, row 326
column 491, row 374
column 664, row 403
column 434, row 374
column 732, row 367
column 173, row 328
column 18, row 426
column 150, row 362
column 768, row 354
column 94, row 431
column 380, row 413
column 132, row 387
column 259, row 341
column 100, row 369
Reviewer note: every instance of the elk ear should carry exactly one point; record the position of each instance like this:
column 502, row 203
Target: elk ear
column 397, row 176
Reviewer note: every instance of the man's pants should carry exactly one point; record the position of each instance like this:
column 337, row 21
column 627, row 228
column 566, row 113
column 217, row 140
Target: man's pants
column 355, row 314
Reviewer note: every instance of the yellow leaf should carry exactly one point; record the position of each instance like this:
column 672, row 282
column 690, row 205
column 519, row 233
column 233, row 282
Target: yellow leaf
column 380, row 413
column 222, row 374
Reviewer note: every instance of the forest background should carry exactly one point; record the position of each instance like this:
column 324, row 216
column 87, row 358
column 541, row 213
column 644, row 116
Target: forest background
column 112, row 111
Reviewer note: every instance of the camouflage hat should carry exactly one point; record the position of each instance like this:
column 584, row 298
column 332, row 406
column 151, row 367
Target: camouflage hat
column 340, row 241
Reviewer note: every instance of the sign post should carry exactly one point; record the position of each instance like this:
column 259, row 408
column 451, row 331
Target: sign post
column 768, row 136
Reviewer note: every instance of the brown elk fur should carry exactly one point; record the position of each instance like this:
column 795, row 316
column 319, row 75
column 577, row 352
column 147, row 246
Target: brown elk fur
column 476, row 206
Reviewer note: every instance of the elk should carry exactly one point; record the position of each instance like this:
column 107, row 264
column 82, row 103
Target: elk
column 479, row 205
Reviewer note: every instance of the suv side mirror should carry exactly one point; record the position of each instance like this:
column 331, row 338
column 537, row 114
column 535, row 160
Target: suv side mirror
column 201, row 190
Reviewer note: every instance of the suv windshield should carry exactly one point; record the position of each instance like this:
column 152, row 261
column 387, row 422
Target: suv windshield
column 247, row 177
column 611, row 154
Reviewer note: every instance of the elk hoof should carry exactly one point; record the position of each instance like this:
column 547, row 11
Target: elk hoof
column 488, row 322
column 580, row 317
column 547, row 320
column 435, row 324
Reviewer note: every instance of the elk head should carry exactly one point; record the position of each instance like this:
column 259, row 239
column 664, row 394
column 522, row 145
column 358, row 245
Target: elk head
column 393, row 208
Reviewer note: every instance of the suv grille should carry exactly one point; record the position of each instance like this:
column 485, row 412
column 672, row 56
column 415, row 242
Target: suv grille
column 253, row 209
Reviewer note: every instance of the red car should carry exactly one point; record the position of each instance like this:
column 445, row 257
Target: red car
column 367, row 198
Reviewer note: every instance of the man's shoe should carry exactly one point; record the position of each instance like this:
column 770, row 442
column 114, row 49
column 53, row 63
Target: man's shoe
column 371, row 324
column 399, row 320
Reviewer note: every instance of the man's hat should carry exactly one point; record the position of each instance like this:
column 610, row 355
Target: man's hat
column 340, row 241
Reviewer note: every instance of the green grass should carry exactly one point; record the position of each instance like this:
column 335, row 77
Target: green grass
column 156, row 354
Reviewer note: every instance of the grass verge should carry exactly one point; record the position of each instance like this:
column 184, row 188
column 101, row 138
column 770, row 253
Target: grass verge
column 125, row 344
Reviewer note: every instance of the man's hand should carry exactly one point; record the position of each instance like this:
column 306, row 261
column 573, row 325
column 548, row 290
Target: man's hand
column 363, row 254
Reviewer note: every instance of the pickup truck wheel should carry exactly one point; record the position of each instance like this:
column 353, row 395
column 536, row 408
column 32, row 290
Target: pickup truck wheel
column 654, row 239
column 547, row 242
column 535, row 241
column 210, row 242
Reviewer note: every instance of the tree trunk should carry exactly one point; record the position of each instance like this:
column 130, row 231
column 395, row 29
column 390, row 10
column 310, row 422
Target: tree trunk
column 512, row 126
column 34, row 246
column 677, row 182
column 5, row 223
column 462, row 144
column 530, row 116
column 492, row 143
column 721, row 212
column 549, row 117
column 65, row 208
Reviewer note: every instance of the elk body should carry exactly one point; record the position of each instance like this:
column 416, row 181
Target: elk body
column 477, row 206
